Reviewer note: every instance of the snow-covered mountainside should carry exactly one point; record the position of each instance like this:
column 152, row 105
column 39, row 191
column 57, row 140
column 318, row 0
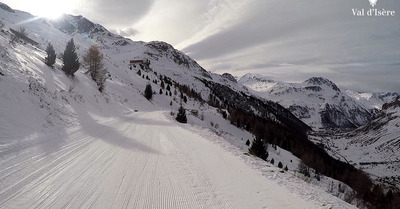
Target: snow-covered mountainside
column 65, row 144
column 318, row 101
column 375, row 147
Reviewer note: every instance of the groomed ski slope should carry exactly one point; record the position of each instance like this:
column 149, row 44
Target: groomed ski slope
column 141, row 160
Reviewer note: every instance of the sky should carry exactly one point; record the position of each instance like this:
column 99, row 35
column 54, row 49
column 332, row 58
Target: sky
column 288, row 40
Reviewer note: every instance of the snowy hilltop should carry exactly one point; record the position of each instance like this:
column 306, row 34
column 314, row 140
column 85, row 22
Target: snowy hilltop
column 67, row 143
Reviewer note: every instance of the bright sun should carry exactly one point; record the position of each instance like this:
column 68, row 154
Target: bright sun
column 50, row 8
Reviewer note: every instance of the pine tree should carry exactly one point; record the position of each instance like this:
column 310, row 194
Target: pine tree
column 94, row 60
column 248, row 142
column 70, row 59
column 148, row 92
column 181, row 117
column 280, row 165
column 51, row 56
column 258, row 149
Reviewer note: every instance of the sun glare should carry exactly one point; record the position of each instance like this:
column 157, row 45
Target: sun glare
column 50, row 8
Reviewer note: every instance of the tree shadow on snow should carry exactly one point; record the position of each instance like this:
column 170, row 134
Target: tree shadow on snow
column 145, row 121
column 110, row 135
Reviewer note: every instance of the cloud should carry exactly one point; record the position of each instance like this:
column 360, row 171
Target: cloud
column 115, row 13
column 293, row 40
column 126, row 32
column 290, row 40
column 172, row 21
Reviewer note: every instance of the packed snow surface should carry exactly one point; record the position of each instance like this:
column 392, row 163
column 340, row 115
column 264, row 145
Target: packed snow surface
column 140, row 160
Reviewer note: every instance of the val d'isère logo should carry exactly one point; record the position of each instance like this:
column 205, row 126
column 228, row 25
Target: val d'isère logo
column 373, row 12
column 373, row 2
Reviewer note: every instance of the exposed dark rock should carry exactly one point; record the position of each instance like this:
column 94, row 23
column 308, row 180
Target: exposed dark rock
column 313, row 88
column 6, row 7
column 71, row 24
column 299, row 111
column 394, row 104
column 229, row 77
column 166, row 50
column 121, row 43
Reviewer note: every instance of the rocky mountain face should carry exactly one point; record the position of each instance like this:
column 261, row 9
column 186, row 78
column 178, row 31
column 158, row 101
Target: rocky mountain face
column 71, row 24
column 318, row 101
column 6, row 8
column 384, row 125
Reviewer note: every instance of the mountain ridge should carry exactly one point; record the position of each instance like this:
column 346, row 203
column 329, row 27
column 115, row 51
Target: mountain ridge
column 318, row 101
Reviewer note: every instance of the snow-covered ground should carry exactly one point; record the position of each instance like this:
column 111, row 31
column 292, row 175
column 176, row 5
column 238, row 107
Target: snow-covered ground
column 141, row 160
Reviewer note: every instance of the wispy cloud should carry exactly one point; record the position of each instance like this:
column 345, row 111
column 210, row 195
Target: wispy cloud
column 294, row 39
column 126, row 32
column 116, row 13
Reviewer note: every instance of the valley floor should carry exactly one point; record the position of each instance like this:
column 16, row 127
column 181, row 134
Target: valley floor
column 140, row 160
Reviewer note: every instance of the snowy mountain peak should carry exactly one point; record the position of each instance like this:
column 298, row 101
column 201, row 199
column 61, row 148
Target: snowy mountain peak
column 6, row 7
column 71, row 24
column 158, row 50
column 255, row 77
column 372, row 100
column 319, row 81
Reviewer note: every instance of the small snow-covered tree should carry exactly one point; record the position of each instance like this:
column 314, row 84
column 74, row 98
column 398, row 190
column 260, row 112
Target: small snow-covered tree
column 23, row 31
column 148, row 92
column 70, row 59
column 94, row 60
column 258, row 149
column 51, row 55
column 181, row 117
